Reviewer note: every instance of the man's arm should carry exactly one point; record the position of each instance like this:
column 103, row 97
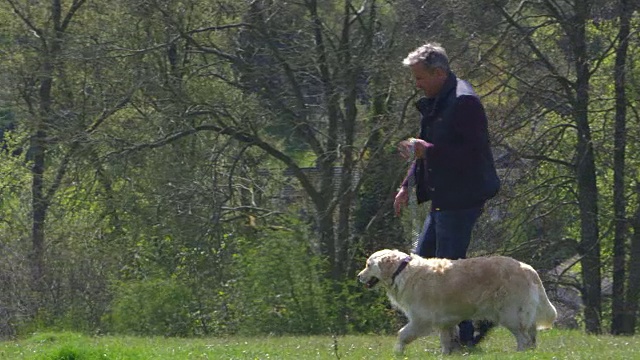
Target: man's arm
column 410, row 178
column 402, row 196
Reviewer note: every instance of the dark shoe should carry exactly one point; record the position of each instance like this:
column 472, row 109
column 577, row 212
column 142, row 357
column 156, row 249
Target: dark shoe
column 481, row 330
column 466, row 334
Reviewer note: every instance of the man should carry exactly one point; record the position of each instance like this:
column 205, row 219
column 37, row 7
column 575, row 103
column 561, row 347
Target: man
column 454, row 166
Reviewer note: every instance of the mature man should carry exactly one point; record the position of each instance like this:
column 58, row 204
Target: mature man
column 454, row 166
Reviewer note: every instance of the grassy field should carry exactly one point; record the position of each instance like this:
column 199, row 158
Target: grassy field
column 553, row 344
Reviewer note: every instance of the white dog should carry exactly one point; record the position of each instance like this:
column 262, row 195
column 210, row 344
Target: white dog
column 439, row 293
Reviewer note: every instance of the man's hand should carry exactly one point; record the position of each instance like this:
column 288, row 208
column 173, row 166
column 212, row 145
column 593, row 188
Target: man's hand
column 402, row 199
column 413, row 146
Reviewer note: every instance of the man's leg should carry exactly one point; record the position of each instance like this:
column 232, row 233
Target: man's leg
column 427, row 243
column 453, row 229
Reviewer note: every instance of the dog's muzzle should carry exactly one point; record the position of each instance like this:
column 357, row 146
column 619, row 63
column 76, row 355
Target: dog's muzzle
column 369, row 283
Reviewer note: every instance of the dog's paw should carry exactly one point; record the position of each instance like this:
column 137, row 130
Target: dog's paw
column 399, row 349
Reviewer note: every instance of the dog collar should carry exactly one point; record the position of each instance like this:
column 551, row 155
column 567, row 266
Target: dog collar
column 403, row 265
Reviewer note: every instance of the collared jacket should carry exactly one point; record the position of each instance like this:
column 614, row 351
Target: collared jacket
column 458, row 171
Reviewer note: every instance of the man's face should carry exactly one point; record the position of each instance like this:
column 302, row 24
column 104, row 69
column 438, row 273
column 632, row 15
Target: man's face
column 429, row 81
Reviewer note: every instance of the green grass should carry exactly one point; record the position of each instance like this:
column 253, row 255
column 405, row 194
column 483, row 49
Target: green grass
column 554, row 344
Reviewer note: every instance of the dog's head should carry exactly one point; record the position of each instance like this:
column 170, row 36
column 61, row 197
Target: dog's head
column 380, row 267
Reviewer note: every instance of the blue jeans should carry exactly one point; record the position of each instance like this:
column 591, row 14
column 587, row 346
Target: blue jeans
column 447, row 234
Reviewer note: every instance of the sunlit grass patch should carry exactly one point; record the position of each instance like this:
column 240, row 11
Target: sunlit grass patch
column 500, row 344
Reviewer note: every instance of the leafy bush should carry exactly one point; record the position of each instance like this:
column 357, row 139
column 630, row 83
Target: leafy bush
column 152, row 307
column 281, row 285
column 369, row 311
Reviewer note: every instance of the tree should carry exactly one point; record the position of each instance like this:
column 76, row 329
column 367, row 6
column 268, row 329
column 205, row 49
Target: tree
column 556, row 34
column 59, row 66
column 618, row 306
column 49, row 33
column 311, row 85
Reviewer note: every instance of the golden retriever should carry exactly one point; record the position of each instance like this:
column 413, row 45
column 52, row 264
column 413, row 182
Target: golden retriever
column 439, row 293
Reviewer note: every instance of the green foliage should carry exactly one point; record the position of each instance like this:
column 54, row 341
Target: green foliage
column 281, row 284
column 378, row 187
column 152, row 307
column 369, row 312
column 280, row 289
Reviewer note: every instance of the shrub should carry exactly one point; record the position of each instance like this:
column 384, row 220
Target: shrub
column 152, row 307
column 281, row 285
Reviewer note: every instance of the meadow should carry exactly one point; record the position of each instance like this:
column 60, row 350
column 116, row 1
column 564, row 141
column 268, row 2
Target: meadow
column 552, row 344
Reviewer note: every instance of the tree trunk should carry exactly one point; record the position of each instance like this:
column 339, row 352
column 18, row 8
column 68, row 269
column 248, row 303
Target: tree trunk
column 348, row 70
column 49, row 51
column 38, row 151
column 39, row 210
column 327, row 160
column 620, row 144
column 589, row 247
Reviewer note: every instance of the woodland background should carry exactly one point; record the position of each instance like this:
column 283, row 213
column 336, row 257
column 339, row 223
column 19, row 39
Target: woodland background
column 219, row 167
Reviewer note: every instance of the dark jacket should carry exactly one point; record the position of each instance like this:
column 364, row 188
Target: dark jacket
column 459, row 171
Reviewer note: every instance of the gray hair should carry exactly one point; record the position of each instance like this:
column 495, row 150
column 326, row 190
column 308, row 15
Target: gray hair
column 432, row 55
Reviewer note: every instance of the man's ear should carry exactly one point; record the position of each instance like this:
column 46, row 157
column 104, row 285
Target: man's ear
column 441, row 73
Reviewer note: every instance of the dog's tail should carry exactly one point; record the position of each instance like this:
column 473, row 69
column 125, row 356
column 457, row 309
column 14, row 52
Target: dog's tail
column 546, row 313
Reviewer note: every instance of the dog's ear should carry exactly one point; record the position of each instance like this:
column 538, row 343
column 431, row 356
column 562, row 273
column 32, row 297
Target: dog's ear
column 388, row 265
